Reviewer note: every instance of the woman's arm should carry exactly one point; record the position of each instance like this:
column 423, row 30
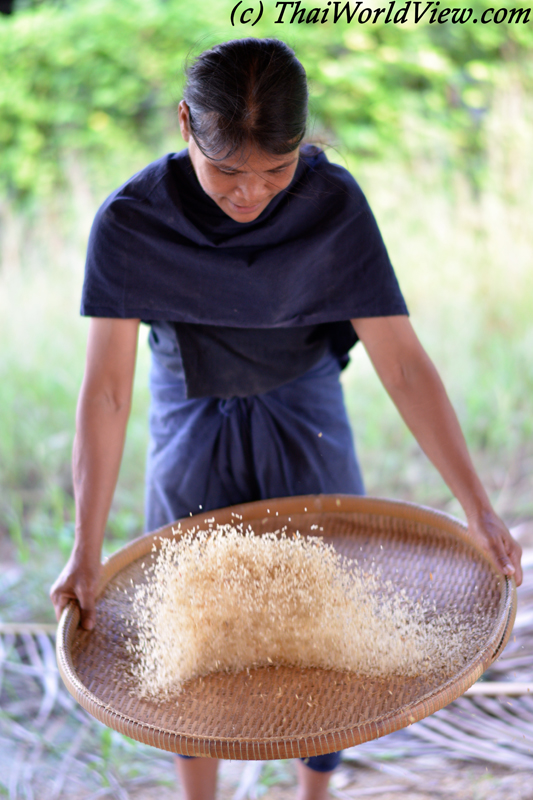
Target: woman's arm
column 101, row 419
column 416, row 389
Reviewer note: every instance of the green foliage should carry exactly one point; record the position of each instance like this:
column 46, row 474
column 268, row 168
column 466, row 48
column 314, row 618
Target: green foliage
column 102, row 78
column 82, row 78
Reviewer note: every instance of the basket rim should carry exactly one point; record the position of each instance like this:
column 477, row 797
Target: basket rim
column 323, row 742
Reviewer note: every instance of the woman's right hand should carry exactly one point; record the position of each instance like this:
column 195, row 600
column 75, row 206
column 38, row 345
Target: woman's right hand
column 101, row 419
column 78, row 581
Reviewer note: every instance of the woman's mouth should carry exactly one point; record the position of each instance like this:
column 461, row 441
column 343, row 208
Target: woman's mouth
column 245, row 209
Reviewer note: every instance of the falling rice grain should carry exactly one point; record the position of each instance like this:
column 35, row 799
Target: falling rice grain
column 226, row 600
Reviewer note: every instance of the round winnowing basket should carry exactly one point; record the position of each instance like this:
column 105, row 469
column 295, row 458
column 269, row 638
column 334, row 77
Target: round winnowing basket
column 284, row 712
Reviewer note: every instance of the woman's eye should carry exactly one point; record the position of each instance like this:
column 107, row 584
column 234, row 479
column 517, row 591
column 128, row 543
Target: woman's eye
column 277, row 171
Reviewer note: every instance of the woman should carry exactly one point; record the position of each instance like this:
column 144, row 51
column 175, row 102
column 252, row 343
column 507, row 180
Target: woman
column 258, row 264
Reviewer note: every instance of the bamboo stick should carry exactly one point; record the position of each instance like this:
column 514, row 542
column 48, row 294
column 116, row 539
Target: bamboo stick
column 496, row 688
column 32, row 628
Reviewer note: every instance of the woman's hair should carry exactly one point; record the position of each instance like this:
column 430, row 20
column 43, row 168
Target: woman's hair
column 245, row 93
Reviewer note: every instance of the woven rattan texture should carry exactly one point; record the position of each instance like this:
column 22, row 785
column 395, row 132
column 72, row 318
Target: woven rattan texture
column 282, row 712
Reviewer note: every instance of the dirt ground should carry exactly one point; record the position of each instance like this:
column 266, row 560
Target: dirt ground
column 429, row 779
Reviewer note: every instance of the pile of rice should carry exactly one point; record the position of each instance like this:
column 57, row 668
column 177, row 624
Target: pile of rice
column 226, row 599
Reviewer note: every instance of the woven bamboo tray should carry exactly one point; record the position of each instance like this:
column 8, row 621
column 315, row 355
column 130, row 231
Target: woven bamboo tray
column 237, row 716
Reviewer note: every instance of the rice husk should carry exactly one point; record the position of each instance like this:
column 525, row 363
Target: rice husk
column 225, row 599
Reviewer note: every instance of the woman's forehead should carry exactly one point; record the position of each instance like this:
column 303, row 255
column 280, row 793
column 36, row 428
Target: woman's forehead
column 256, row 160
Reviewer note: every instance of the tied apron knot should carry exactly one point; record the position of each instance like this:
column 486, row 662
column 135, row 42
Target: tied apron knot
column 209, row 452
column 229, row 406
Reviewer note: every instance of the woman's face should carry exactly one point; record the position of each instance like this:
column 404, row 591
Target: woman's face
column 242, row 189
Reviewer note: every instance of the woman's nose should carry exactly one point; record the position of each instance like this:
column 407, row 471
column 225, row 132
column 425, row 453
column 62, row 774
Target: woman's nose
column 252, row 189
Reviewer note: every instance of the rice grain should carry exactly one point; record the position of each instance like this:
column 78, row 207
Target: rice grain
column 227, row 600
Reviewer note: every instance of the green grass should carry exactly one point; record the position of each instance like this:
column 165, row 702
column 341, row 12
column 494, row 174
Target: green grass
column 41, row 367
column 464, row 263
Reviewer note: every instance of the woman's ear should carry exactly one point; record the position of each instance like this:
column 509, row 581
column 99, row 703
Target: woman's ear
column 183, row 117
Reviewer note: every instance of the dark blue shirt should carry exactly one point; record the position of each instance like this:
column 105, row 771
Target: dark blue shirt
column 240, row 308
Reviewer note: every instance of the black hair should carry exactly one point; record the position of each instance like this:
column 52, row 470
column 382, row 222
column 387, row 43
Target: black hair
column 245, row 93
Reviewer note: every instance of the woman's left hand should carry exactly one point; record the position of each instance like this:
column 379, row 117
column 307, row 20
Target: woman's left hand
column 415, row 387
column 488, row 530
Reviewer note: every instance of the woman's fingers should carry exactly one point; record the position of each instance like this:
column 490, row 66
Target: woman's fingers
column 60, row 597
column 507, row 556
column 493, row 535
column 87, row 610
column 85, row 600
column 79, row 586
column 514, row 551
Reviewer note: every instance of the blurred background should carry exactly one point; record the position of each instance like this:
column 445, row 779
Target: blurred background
column 434, row 121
